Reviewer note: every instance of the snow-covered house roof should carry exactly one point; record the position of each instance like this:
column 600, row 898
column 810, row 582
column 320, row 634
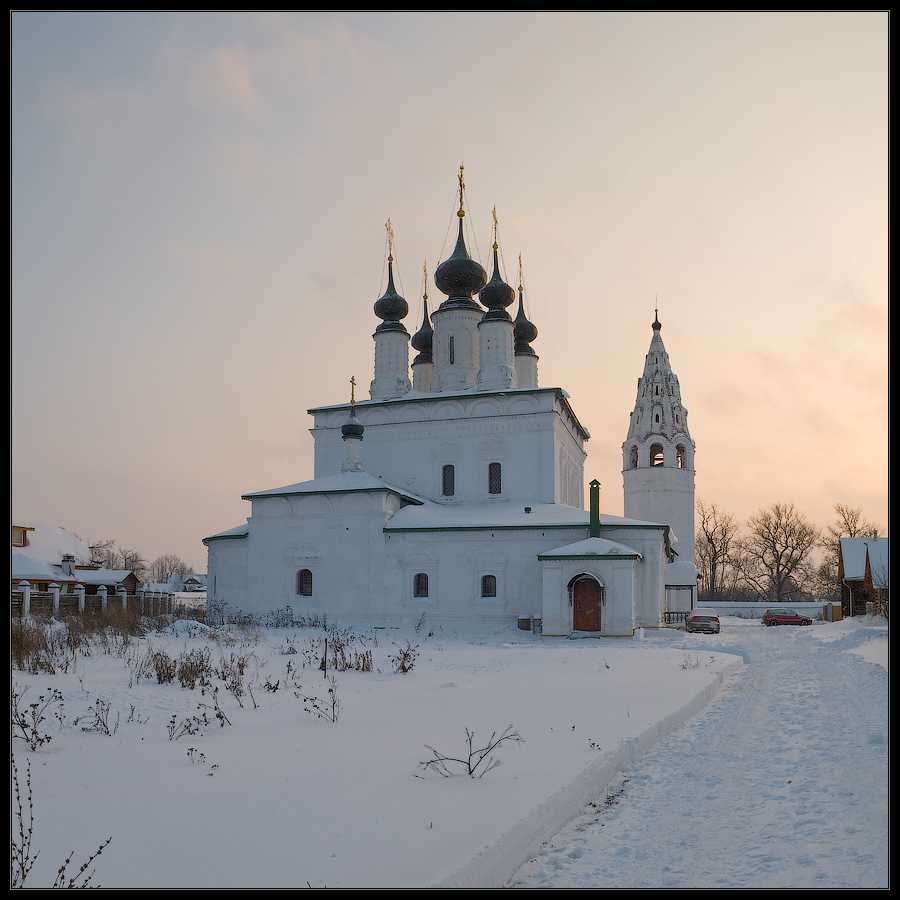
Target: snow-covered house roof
column 47, row 544
column 499, row 515
column 344, row 483
column 197, row 578
column 853, row 556
column 101, row 576
column 592, row 548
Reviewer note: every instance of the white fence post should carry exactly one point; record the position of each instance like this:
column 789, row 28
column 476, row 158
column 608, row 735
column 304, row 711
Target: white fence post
column 26, row 597
column 123, row 596
column 101, row 592
column 79, row 590
column 54, row 596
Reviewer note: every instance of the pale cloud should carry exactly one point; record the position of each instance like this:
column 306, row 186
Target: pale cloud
column 222, row 75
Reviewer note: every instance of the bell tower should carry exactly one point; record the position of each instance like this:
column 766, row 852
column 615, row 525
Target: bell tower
column 658, row 453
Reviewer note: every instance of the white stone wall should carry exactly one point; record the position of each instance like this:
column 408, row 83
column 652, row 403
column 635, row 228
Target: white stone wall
column 407, row 443
column 456, row 560
column 227, row 570
column 338, row 537
column 526, row 371
column 663, row 494
column 462, row 326
column 497, row 367
column 391, row 365
column 617, row 577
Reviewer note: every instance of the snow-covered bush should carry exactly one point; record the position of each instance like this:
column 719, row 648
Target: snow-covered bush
column 164, row 666
column 404, row 659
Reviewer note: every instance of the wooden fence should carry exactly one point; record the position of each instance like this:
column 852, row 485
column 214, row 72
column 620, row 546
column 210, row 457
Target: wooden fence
column 44, row 604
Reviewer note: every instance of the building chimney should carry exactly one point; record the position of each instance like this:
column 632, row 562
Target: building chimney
column 68, row 565
column 595, row 508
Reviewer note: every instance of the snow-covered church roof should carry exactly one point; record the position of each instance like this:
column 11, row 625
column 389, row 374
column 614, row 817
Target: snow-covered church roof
column 343, row 483
column 592, row 548
column 494, row 514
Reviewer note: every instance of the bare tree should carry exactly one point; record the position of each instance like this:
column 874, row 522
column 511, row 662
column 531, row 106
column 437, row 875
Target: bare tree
column 103, row 553
column 168, row 566
column 715, row 545
column 131, row 559
column 773, row 559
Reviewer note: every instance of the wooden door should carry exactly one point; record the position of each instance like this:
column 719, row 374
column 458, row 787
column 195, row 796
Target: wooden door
column 586, row 604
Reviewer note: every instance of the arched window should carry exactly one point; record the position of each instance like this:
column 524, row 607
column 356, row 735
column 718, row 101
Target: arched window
column 448, row 481
column 304, row 583
column 420, row 585
column 657, row 418
column 680, row 456
column 494, row 478
column 488, row 585
column 657, row 457
column 656, row 390
column 633, row 460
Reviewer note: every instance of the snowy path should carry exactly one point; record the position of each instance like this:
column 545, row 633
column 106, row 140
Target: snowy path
column 781, row 782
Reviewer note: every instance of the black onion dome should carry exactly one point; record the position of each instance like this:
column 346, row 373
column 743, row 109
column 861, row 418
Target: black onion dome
column 657, row 325
column 352, row 428
column 390, row 306
column 422, row 339
column 460, row 276
column 524, row 331
column 497, row 294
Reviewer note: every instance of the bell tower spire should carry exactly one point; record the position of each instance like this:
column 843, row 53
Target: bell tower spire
column 658, row 452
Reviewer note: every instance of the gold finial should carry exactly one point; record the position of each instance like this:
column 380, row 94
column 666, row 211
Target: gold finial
column 425, row 280
column 462, row 189
column 520, row 273
column 390, row 239
column 494, row 217
column 352, row 389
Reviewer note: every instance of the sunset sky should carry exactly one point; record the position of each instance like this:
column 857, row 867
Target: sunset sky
column 198, row 204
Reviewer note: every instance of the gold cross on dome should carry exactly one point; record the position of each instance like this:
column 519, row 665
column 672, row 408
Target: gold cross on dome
column 353, row 389
column 462, row 190
column 390, row 239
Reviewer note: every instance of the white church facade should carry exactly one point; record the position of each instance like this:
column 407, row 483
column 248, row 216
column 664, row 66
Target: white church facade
column 458, row 487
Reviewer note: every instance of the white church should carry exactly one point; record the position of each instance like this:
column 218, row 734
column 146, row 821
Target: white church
column 460, row 491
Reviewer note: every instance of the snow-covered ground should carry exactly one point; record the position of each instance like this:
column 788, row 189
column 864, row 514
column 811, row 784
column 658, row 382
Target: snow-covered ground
column 294, row 798
column 781, row 782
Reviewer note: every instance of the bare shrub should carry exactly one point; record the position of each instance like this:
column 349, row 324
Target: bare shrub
column 404, row 659
column 97, row 719
column 213, row 706
column 444, row 765
column 38, row 648
column 194, row 668
column 199, row 759
column 164, row 666
column 23, row 859
column 231, row 671
column 27, row 721
column 140, row 665
column 328, row 708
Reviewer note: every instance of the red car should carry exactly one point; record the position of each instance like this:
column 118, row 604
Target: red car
column 784, row 617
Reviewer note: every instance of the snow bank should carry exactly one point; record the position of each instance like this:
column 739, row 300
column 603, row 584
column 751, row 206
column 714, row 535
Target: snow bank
column 874, row 651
